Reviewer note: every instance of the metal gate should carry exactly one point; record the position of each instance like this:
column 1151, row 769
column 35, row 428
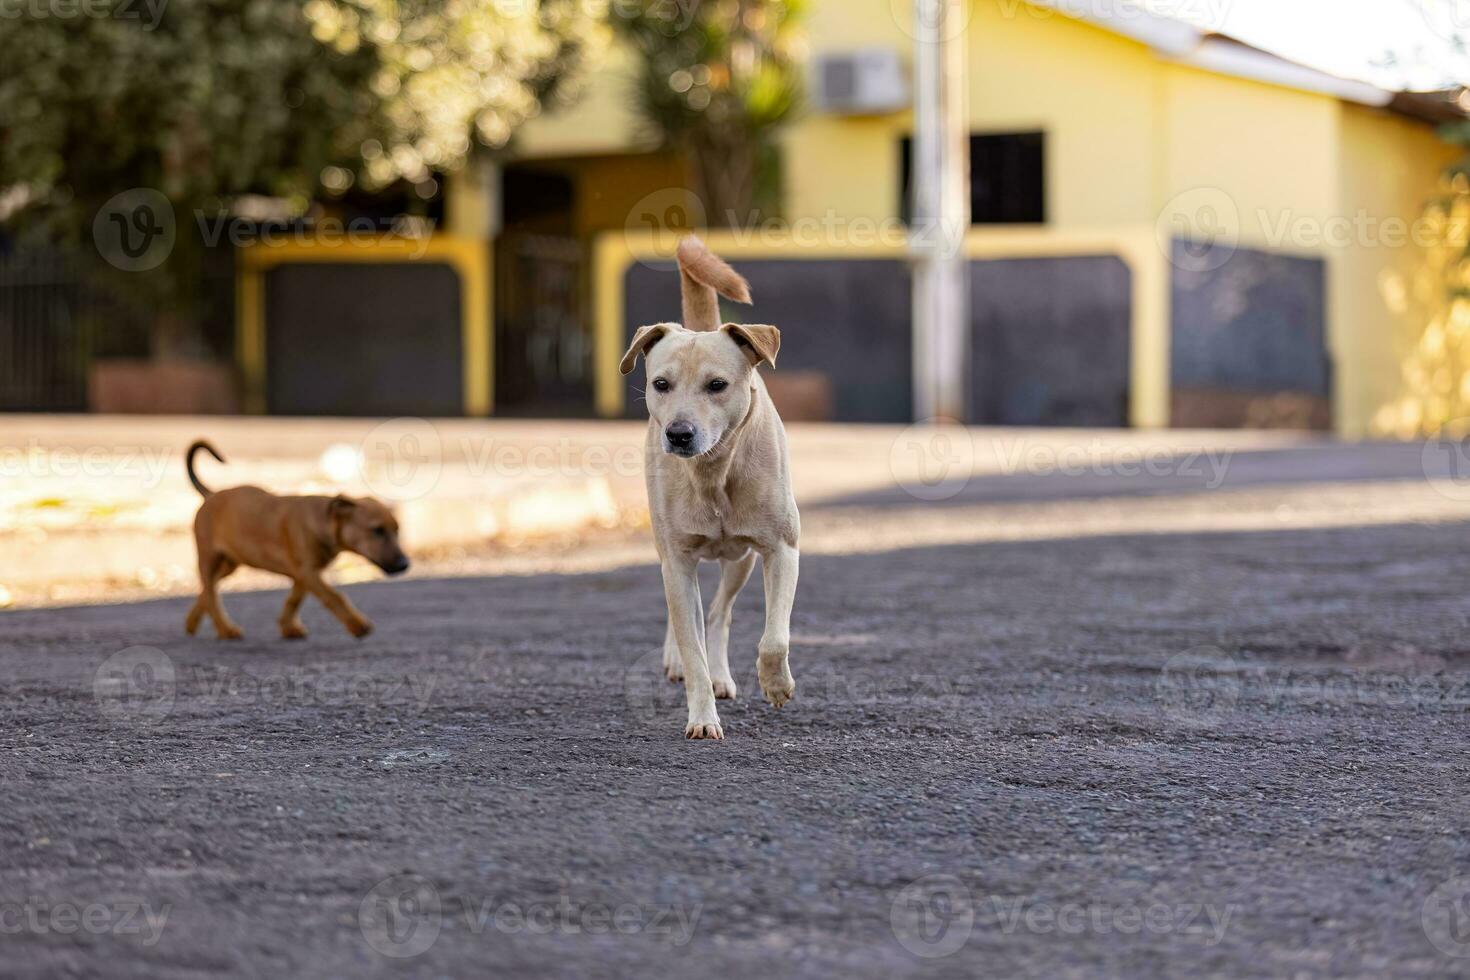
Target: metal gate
column 543, row 342
column 46, row 333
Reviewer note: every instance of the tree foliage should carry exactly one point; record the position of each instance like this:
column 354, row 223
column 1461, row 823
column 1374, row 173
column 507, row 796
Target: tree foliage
column 717, row 78
column 228, row 97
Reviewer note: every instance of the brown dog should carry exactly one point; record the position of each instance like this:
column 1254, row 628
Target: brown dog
column 294, row 536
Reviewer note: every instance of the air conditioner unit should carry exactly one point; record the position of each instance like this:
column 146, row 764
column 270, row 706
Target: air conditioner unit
column 866, row 81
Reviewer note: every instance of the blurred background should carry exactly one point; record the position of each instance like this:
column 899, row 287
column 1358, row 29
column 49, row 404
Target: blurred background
column 1173, row 224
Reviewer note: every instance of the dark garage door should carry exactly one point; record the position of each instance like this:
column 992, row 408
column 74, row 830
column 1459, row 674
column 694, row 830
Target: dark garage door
column 363, row 339
column 1050, row 342
column 847, row 319
column 1050, row 337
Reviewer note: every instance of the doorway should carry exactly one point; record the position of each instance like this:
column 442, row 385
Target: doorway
column 552, row 212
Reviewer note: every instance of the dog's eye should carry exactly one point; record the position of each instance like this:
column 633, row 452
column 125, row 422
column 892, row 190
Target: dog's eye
column 380, row 531
column 659, row 384
column 719, row 384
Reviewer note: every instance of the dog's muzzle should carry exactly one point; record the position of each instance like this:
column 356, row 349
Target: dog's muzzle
column 397, row 567
column 679, row 438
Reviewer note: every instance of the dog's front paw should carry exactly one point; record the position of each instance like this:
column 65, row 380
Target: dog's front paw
column 774, row 670
column 360, row 628
column 725, row 688
column 230, row 632
column 293, row 631
column 704, row 727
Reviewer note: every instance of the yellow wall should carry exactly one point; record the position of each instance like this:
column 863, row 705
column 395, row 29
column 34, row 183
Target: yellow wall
column 1382, row 294
column 601, row 119
column 1271, row 151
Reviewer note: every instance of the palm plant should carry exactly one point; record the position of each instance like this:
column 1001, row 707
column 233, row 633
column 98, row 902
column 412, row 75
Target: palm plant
column 716, row 79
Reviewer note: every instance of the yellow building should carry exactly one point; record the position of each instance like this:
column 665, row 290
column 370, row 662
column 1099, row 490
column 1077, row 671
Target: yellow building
column 1170, row 227
column 1156, row 140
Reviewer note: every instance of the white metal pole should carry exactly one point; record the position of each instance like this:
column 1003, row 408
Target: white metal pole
column 941, row 212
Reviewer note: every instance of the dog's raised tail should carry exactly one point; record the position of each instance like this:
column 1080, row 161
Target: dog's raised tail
column 194, row 447
column 703, row 278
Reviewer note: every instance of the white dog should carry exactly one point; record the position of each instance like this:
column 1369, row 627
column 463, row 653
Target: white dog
column 719, row 485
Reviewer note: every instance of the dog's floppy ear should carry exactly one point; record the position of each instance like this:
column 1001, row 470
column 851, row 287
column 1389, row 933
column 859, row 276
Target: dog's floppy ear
column 759, row 341
column 645, row 338
column 341, row 505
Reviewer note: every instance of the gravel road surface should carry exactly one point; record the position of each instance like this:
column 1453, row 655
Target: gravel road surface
column 1203, row 754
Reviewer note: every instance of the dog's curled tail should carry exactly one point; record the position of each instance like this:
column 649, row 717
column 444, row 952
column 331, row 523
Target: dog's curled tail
column 703, row 279
column 194, row 447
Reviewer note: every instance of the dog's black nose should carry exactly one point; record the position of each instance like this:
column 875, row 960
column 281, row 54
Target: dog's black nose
column 680, row 435
column 398, row 567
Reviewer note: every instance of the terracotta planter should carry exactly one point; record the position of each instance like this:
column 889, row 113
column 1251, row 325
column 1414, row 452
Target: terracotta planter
column 800, row 396
column 163, row 387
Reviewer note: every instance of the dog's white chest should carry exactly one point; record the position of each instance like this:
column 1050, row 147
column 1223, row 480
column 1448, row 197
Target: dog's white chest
column 708, row 531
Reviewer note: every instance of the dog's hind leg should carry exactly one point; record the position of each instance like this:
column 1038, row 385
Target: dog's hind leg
column 196, row 613
column 673, row 666
column 213, row 568
column 290, row 622
column 733, row 576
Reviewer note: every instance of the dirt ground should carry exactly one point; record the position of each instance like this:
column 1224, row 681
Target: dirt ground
column 1210, row 752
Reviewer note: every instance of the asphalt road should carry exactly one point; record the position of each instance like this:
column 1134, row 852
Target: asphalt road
column 1203, row 754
